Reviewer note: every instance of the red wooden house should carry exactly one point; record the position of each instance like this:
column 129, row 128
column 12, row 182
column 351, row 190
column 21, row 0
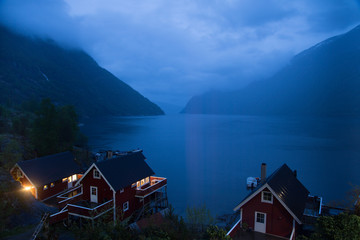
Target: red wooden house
column 275, row 207
column 122, row 185
column 47, row 176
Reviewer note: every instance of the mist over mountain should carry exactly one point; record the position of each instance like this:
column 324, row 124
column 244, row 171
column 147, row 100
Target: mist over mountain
column 323, row 80
column 32, row 69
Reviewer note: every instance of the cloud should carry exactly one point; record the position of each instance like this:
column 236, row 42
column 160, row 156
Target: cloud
column 40, row 18
column 171, row 50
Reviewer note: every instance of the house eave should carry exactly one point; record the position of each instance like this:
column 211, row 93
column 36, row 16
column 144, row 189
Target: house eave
column 276, row 196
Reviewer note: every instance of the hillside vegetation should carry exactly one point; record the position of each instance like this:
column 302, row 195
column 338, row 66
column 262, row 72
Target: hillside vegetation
column 33, row 69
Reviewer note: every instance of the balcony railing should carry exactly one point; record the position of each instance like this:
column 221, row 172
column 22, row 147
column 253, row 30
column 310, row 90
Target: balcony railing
column 154, row 185
column 58, row 217
column 73, row 195
column 86, row 210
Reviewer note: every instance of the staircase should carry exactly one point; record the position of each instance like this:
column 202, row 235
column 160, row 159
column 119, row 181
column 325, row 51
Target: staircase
column 39, row 226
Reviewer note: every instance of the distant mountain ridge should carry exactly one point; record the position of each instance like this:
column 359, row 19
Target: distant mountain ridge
column 323, row 80
column 35, row 69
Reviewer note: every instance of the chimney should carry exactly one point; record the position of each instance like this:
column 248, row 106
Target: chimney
column 263, row 172
column 109, row 154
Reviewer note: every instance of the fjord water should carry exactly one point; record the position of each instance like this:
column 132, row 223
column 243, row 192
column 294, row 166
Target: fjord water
column 207, row 158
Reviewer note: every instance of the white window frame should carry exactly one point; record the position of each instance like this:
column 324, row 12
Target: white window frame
column 256, row 215
column 94, row 175
column 121, row 190
column 265, row 200
column 126, row 206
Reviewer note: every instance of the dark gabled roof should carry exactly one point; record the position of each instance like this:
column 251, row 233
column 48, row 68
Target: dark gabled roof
column 287, row 188
column 124, row 170
column 45, row 170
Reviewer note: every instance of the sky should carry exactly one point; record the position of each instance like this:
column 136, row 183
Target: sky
column 170, row 51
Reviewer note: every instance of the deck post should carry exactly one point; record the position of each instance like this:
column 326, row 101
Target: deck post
column 114, row 208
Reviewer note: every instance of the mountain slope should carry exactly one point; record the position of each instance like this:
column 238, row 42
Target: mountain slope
column 323, row 80
column 35, row 69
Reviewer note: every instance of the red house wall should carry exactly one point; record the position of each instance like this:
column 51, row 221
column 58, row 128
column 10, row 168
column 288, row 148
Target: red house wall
column 59, row 187
column 127, row 195
column 42, row 194
column 278, row 220
column 104, row 191
column 105, row 194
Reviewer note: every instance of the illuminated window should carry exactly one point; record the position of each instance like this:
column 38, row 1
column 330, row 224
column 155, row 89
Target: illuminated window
column 142, row 182
column 45, row 187
column 96, row 174
column 147, row 180
column 133, row 185
column 126, row 206
column 266, row 197
column 52, row 184
column 64, row 179
column 138, row 184
column 74, row 177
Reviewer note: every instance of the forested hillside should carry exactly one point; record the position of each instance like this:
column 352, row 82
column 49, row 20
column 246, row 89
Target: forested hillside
column 33, row 69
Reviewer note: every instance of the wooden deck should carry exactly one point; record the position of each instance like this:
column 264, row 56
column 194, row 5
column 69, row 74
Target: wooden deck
column 156, row 183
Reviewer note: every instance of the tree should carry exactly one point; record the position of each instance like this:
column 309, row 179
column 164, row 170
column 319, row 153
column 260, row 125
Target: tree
column 55, row 128
column 340, row 227
column 216, row 233
column 199, row 217
column 10, row 152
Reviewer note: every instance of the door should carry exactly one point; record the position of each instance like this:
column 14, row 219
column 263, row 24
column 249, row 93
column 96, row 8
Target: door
column 93, row 194
column 260, row 222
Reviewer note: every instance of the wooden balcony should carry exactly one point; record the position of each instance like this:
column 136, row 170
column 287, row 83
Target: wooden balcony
column 71, row 196
column 89, row 210
column 58, row 217
column 155, row 184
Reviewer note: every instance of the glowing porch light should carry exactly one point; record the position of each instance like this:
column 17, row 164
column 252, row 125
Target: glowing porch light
column 27, row 188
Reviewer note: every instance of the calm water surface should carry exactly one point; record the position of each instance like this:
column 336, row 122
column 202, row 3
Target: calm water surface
column 207, row 158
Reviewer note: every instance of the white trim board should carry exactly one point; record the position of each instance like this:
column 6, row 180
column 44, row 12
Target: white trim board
column 276, row 196
column 87, row 171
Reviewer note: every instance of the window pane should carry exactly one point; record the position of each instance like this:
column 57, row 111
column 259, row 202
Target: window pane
column 260, row 217
column 267, row 196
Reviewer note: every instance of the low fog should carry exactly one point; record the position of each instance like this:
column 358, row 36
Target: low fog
column 170, row 51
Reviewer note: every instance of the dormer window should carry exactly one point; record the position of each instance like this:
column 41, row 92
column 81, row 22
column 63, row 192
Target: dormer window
column 266, row 197
column 45, row 187
column 96, row 174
